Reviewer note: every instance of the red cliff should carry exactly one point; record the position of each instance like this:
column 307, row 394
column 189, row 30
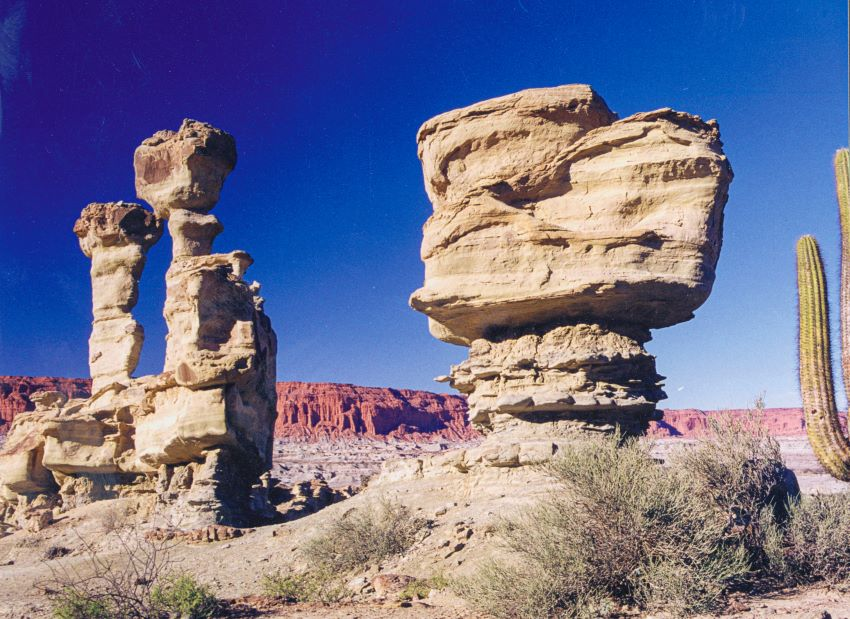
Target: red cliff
column 306, row 411
column 330, row 410
column 312, row 411
column 691, row 422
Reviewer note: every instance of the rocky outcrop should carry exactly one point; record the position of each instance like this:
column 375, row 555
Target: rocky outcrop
column 197, row 437
column 560, row 236
column 310, row 411
column 16, row 392
column 116, row 237
column 306, row 411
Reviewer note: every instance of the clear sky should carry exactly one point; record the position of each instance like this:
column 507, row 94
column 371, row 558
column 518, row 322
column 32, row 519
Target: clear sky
column 324, row 99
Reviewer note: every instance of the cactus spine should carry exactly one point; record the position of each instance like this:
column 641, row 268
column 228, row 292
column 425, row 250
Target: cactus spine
column 830, row 445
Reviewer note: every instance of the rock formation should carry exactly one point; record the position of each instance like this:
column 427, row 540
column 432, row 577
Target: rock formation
column 16, row 393
column 305, row 411
column 312, row 411
column 116, row 236
column 560, row 236
column 197, row 437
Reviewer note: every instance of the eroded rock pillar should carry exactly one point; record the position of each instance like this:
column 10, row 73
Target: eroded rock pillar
column 561, row 235
column 220, row 348
column 116, row 236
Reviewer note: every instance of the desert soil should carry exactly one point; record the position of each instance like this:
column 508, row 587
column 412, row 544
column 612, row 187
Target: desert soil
column 234, row 568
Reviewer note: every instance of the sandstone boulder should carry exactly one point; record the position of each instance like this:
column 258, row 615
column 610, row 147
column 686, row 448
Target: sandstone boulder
column 560, row 236
column 184, row 169
column 547, row 208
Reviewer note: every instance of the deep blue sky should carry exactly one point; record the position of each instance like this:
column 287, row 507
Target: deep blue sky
column 324, row 99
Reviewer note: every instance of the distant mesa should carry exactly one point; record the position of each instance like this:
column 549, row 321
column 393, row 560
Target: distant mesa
column 305, row 411
column 334, row 411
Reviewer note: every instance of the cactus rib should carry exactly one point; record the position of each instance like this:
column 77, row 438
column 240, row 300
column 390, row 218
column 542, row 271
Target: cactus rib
column 842, row 188
column 816, row 384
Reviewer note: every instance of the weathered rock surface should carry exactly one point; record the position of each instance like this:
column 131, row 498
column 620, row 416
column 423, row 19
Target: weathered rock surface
column 556, row 224
column 578, row 367
column 116, row 237
column 312, row 411
column 196, row 438
column 306, row 411
column 184, row 169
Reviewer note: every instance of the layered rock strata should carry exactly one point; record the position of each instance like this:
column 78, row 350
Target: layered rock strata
column 305, row 411
column 196, row 438
column 330, row 411
column 560, row 236
column 116, row 237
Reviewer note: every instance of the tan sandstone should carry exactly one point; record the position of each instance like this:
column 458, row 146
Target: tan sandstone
column 196, row 439
column 560, row 236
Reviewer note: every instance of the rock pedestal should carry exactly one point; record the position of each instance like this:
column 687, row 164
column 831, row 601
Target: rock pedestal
column 196, row 439
column 560, row 236
column 116, row 236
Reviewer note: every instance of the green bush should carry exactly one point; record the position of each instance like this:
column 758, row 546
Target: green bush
column 182, row 596
column 415, row 590
column 72, row 604
column 622, row 529
column 308, row 587
column 813, row 544
column 364, row 536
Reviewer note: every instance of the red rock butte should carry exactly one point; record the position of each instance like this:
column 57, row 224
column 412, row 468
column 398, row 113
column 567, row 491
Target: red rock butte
column 328, row 411
column 305, row 411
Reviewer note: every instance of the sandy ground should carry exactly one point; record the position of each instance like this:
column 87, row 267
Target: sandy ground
column 235, row 568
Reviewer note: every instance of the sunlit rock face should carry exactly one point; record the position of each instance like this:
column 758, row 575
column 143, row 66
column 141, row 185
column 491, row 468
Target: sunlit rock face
column 560, row 236
column 198, row 436
column 116, row 237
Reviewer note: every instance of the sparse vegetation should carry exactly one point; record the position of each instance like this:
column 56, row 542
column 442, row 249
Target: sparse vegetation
column 738, row 467
column 138, row 583
column 813, row 544
column 363, row 536
column 625, row 530
column 313, row 586
column 182, row 596
column 416, row 590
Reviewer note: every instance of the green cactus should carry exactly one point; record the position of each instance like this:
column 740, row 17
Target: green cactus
column 829, row 443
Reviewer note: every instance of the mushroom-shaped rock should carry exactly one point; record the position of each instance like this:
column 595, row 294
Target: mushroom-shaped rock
column 116, row 236
column 556, row 226
column 184, row 169
column 547, row 208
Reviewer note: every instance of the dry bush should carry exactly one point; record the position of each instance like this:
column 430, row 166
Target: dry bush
column 813, row 544
column 136, row 582
column 738, row 467
column 622, row 529
column 363, row 536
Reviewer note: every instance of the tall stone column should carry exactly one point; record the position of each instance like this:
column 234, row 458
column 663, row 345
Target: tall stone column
column 116, row 236
column 220, row 347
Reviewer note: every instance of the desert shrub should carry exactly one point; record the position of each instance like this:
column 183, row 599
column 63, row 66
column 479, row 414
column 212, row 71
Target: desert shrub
column 363, row 536
column 73, row 604
column 182, row 596
column 813, row 544
column 738, row 467
column 137, row 582
column 415, row 590
column 313, row 586
column 622, row 529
